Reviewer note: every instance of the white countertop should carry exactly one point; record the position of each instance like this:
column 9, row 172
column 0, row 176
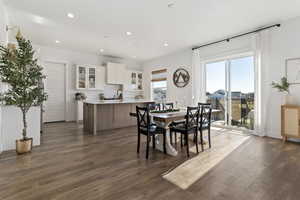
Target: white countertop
column 118, row 101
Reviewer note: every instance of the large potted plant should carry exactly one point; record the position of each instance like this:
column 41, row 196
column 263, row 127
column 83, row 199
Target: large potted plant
column 20, row 70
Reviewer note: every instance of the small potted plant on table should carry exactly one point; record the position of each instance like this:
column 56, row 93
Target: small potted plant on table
column 20, row 70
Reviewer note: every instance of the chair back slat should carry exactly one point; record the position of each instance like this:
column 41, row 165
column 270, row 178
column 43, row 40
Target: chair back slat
column 155, row 106
column 143, row 117
column 168, row 106
column 205, row 116
column 192, row 117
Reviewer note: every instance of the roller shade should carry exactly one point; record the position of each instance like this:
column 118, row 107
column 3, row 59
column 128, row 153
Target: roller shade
column 159, row 75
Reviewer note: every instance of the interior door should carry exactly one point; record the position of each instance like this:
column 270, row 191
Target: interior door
column 55, row 89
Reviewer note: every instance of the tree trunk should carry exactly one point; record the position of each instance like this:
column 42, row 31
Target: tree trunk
column 24, row 125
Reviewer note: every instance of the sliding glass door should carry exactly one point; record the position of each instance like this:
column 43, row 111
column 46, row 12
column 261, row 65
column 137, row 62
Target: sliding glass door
column 216, row 90
column 230, row 90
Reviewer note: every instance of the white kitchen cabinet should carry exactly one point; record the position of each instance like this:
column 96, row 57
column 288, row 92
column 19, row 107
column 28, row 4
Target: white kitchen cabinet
column 134, row 80
column 90, row 77
column 115, row 73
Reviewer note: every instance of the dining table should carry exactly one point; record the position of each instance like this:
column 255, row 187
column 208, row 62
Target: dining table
column 163, row 120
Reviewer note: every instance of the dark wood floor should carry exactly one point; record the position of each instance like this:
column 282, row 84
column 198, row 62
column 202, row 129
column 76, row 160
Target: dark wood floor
column 70, row 165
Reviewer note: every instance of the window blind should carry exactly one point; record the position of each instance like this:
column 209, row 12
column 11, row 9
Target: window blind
column 159, row 75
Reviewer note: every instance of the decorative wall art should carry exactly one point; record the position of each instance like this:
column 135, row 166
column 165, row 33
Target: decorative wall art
column 292, row 70
column 181, row 78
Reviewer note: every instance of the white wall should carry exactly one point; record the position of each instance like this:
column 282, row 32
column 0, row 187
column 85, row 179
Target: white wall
column 12, row 126
column 3, row 40
column 3, row 23
column 284, row 43
column 171, row 63
column 74, row 58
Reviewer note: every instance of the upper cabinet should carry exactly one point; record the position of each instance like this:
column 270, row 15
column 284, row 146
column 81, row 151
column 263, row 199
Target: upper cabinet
column 115, row 73
column 134, row 80
column 90, row 77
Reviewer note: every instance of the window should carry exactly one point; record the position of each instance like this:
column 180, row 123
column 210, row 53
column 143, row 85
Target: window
column 159, row 85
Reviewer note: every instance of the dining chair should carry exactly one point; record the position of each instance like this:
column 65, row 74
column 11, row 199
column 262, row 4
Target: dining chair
column 148, row 129
column 205, row 121
column 155, row 106
column 168, row 106
column 187, row 127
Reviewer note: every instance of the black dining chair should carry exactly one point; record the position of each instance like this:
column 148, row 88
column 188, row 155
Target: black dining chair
column 168, row 106
column 187, row 127
column 155, row 106
column 205, row 121
column 148, row 129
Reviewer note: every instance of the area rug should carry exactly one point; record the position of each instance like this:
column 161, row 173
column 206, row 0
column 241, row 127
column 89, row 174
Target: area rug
column 224, row 142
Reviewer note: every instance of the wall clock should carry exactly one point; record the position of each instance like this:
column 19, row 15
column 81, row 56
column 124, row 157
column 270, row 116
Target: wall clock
column 181, row 77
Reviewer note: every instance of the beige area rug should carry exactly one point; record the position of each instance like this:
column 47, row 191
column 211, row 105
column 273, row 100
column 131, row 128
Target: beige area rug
column 224, row 142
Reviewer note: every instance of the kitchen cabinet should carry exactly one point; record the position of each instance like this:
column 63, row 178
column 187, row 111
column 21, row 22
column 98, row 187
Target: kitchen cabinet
column 90, row 77
column 290, row 121
column 115, row 73
column 134, row 80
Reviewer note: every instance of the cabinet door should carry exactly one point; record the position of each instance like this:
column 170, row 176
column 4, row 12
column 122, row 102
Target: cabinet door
column 91, row 78
column 133, row 80
column 100, row 78
column 140, row 81
column 291, row 121
column 81, row 77
column 115, row 73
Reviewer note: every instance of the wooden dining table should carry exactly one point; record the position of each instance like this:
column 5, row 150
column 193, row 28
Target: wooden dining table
column 163, row 120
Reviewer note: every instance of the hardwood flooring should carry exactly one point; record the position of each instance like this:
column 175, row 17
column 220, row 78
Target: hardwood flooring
column 71, row 165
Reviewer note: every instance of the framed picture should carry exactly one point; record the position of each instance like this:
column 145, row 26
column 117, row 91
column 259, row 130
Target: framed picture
column 292, row 70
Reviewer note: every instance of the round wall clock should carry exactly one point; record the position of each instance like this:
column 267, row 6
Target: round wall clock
column 181, row 77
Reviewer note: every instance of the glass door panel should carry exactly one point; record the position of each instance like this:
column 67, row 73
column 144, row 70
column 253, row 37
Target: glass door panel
column 81, row 78
column 242, row 92
column 92, row 78
column 216, row 90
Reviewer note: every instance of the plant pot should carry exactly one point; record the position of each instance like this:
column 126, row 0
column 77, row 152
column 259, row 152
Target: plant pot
column 24, row 146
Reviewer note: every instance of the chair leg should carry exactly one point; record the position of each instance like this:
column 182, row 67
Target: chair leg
column 181, row 143
column 138, row 143
column 196, row 138
column 165, row 148
column 171, row 137
column 176, row 138
column 147, row 150
column 201, row 140
column 153, row 142
column 209, row 141
column 187, row 144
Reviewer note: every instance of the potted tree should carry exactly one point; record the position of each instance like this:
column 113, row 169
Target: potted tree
column 20, row 70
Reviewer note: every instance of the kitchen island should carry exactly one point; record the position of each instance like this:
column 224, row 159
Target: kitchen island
column 107, row 115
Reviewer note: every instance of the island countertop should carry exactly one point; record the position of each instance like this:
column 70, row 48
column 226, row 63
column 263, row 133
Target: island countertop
column 110, row 114
column 129, row 101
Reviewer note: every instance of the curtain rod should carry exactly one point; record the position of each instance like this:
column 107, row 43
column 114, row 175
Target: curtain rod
column 240, row 35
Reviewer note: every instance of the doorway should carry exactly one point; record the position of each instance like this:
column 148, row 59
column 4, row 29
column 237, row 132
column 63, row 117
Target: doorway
column 230, row 87
column 55, row 87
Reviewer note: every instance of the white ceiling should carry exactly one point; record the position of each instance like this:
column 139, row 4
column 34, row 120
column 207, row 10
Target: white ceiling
column 186, row 24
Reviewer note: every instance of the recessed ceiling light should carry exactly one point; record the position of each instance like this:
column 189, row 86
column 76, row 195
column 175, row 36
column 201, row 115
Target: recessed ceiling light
column 170, row 5
column 128, row 33
column 166, row 44
column 101, row 50
column 57, row 41
column 71, row 15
